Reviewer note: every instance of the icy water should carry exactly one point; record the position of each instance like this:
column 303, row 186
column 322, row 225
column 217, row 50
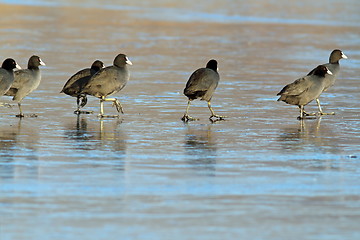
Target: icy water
column 261, row 174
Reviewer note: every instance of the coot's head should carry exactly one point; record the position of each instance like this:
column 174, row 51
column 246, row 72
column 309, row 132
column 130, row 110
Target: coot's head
column 97, row 65
column 35, row 62
column 321, row 70
column 336, row 55
column 121, row 60
column 10, row 64
column 212, row 64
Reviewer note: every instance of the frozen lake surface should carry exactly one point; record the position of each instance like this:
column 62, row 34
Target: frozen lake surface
column 261, row 174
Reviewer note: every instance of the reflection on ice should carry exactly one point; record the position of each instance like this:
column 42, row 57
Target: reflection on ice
column 201, row 148
column 307, row 136
column 105, row 136
column 17, row 146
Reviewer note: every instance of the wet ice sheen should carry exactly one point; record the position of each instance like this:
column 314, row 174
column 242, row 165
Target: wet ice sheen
column 261, row 174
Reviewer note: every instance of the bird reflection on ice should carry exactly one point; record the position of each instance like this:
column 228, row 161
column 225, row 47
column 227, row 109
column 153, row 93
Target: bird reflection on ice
column 106, row 135
column 308, row 134
column 201, row 148
column 18, row 144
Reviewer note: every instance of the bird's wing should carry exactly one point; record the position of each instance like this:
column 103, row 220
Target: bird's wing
column 100, row 77
column 76, row 77
column 3, row 86
column 21, row 78
column 202, row 80
column 104, row 82
column 1, row 78
column 297, row 87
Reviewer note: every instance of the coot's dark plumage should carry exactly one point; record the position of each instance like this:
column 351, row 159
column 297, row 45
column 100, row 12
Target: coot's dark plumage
column 7, row 75
column 26, row 81
column 108, row 81
column 74, row 86
column 202, row 84
column 334, row 67
column 303, row 90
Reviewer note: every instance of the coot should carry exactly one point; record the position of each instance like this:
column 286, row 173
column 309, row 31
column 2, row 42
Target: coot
column 202, row 84
column 334, row 67
column 108, row 81
column 26, row 81
column 76, row 83
column 7, row 75
column 303, row 90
